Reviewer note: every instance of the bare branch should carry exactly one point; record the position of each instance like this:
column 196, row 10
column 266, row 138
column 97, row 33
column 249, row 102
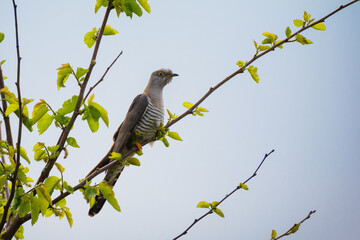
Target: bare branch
column 296, row 226
column 102, row 77
column 222, row 200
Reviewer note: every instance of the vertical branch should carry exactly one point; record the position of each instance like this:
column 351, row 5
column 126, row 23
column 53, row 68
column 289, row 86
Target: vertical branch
column 4, row 107
column 17, row 158
column 61, row 142
column 6, row 186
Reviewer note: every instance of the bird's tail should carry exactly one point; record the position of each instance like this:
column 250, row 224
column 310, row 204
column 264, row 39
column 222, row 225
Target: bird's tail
column 111, row 177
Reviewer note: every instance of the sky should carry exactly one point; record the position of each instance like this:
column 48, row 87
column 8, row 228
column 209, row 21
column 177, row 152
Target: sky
column 306, row 107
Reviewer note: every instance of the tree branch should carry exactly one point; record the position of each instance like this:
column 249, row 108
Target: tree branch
column 62, row 140
column 17, row 158
column 222, row 200
column 103, row 76
column 296, row 226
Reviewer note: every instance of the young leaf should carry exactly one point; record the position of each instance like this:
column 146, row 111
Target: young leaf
column 145, row 5
column 263, row 48
column 295, row 228
column 109, row 195
column 240, row 63
column 255, row 44
column 25, row 205
column 43, row 201
column 319, row 26
column 19, row 233
column 2, row 181
column 306, row 16
column 288, row 32
column 24, row 155
column 203, row 204
column 165, row 141
column 174, row 135
column 270, row 36
column 243, row 186
column 301, row 39
column 280, row 46
column 109, row 31
column 253, row 72
column 11, row 108
column 201, row 109
column 60, row 167
column 50, row 184
column 39, row 111
column 115, row 155
column 2, row 36
column 68, row 187
column 81, row 72
column 44, row 123
column 100, row 3
column 72, row 142
column 134, row 7
column 187, row 104
column 273, row 234
column 90, row 37
column 35, row 209
column 63, row 74
column 298, row 23
column 219, row 212
column 68, row 106
column 90, row 192
column 134, row 161
column 102, row 111
column 69, row 216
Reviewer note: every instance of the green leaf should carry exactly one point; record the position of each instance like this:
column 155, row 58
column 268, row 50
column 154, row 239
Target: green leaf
column 90, row 192
column 134, row 161
column 240, row 63
column 2, row 36
column 109, row 195
column 219, row 212
column 145, row 5
column 39, row 111
column 288, row 32
column 301, row 39
column 69, row 216
column 109, row 31
column 270, row 36
column 35, row 209
column 187, row 104
column 81, row 72
column 24, row 155
column 25, row 205
column 132, row 6
column 19, row 233
column 2, row 181
column 201, row 109
column 165, row 141
column 273, row 234
column 68, row 106
column 44, row 123
column 100, row 3
column 267, row 41
column 319, row 26
column 92, row 116
column 115, row 155
column 298, row 23
column 306, row 16
column 102, row 111
column 63, row 74
column 255, row 44
column 203, row 204
column 295, row 228
column 174, row 135
column 60, row 167
column 11, row 108
column 243, row 186
column 50, row 183
column 90, row 37
column 72, row 142
column 1, row 63
column 43, row 201
column 253, row 72
column 68, row 187
column 61, row 203
column 263, row 48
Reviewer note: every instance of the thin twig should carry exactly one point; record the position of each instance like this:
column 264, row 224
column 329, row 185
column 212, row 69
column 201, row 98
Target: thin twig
column 102, row 77
column 17, row 158
column 297, row 225
column 222, row 200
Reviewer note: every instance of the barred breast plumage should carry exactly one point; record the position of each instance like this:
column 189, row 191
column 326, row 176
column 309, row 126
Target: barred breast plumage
column 150, row 121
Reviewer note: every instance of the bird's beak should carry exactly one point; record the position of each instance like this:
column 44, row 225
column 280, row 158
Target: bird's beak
column 174, row 75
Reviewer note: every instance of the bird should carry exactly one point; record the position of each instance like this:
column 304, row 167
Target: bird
column 142, row 121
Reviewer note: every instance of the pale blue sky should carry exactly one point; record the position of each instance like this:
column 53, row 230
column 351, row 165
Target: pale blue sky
column 306, row 107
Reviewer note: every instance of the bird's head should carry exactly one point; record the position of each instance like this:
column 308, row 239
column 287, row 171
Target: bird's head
column 160, row 78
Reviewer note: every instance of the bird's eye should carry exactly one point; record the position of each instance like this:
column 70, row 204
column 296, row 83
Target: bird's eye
column 160, row 74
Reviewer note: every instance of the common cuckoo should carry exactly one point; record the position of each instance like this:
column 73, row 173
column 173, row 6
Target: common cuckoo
column 142, row 122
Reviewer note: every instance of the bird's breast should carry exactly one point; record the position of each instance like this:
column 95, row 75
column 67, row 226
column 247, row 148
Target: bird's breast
column 150, row 121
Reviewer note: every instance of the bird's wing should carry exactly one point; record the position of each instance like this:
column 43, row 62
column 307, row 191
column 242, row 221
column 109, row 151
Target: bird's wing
column 124, row 132
column 136, row 111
